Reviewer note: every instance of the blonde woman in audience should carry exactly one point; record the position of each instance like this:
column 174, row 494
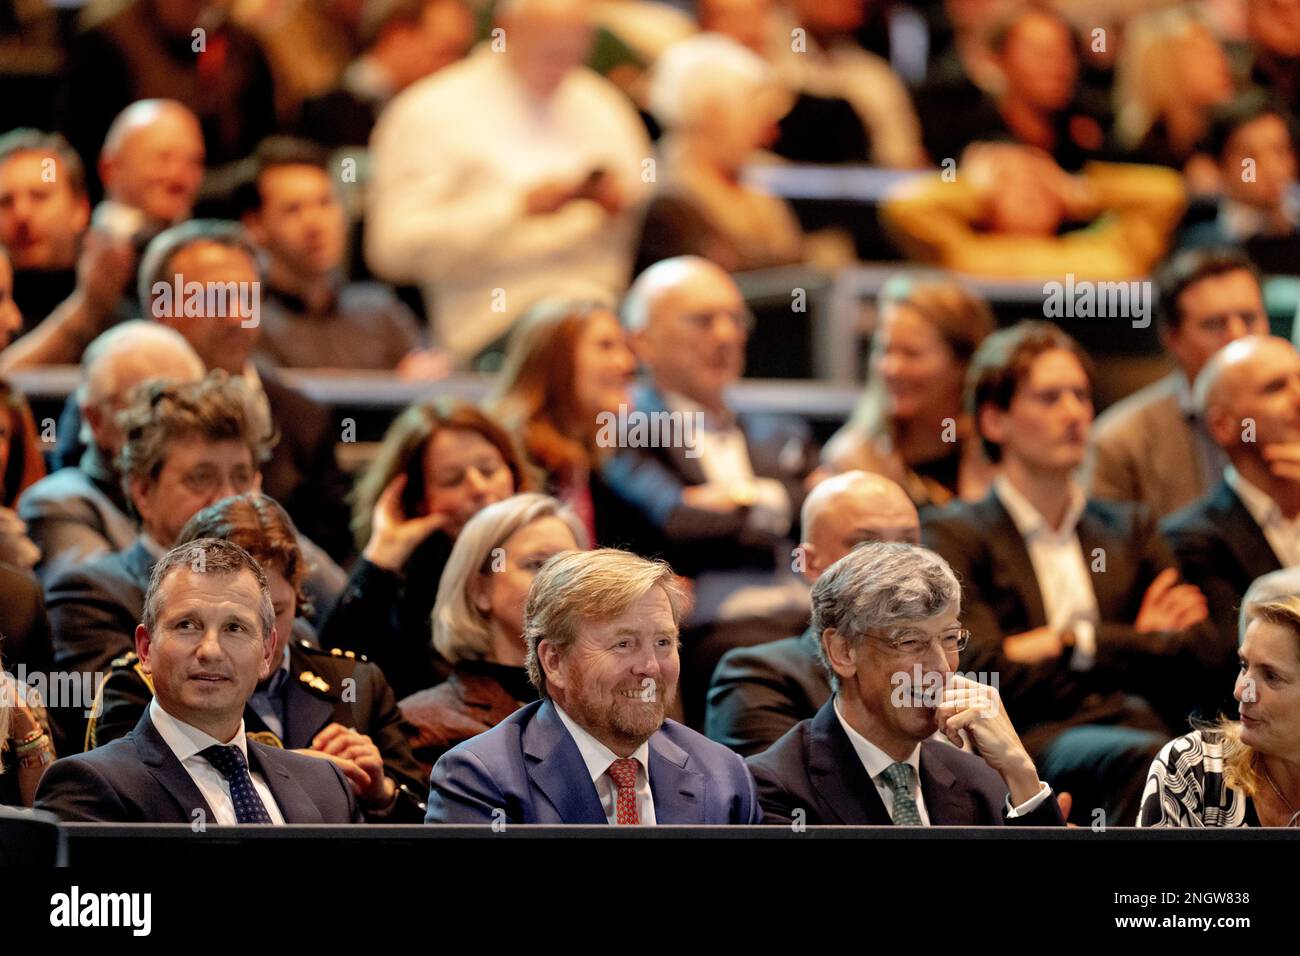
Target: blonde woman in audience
column 478, row 620
column 1244, row 772
column 1171, row 74
column 909, row 424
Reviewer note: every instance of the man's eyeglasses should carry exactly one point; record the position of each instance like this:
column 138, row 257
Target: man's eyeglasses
column 917, row 643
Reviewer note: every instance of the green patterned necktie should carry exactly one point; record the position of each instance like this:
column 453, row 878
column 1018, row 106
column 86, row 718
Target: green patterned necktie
column 899, row 778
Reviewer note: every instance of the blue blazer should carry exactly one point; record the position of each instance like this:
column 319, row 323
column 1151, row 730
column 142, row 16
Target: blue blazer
column 528, row 766
column 137, row 779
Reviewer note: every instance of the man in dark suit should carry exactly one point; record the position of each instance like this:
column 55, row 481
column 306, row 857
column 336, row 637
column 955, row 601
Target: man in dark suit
column 888, row 616
column 1249, row 394
column 718, row 505
column 602, row 633
column 760, row 692
column 207, row 638
column 187, row 446
column 1073, row 602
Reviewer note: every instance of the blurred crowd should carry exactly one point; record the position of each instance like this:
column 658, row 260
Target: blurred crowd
column 199, row 198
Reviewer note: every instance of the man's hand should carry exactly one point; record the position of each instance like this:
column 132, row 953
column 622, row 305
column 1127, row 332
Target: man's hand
column 977, row 708
column 1170, row 606
column 359, row 759
column 1283, row 459
column 394, row 535
column 105, row 267
column 1033, row 647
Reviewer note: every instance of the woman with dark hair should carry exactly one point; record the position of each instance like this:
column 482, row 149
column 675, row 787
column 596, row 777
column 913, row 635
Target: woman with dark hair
column 21, row 466
column 909, row 424
column 440, row 463
column 324, row 703
column 567, row 366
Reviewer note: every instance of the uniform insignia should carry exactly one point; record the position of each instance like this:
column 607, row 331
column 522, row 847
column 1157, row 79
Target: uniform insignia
column 314, row 682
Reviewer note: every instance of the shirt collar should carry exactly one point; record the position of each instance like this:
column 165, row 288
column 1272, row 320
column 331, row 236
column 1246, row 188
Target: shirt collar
column 1239, row 221
column 1183, row 393
column 875, row 760
column 156, row 550
column 596, row 755
column 1261, row 507
column 1028, row 520
column 186, row 741
column 677, row 402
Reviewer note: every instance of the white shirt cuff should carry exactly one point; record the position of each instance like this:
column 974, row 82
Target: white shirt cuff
column 1030, row 805
column 1085, row 646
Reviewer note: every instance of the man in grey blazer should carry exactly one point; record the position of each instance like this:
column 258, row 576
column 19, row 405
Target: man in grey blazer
column 207, row 638
column 1153, row 446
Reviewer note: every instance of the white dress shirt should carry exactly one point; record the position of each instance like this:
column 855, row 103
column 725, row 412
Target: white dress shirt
column 598, row 757
column 1283, row 535
column 875, row 761
column 1064, row 578
column 452, row 160
column 186, row 742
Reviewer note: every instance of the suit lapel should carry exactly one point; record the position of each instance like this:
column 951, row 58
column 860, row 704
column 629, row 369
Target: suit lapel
column 174, row 779
column 1014, row 569
column 138, row 563
column 945, row 803
column 678, row 792
column 1244, row 536
column 649, row 400
column 837, row 774
column 1111, row 588
column 305, row 713
column 555, row 766
column 296, row 805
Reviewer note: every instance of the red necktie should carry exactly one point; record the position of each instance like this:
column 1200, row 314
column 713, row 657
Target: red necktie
column 623, row 773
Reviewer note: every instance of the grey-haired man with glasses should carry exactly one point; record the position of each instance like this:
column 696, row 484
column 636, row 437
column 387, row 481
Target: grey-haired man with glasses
column 905, row 740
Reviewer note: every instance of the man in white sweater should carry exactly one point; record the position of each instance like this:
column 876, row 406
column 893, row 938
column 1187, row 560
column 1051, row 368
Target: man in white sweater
column 513, row 175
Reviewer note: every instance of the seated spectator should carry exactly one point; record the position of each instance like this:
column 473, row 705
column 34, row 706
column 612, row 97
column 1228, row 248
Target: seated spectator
column 21, row 466
column 491, row 200
column 597, row 748
column 43, row 214
column 719, row 501
column 1073, row 602
column 26, row 747
column 1252, row 144
column 205, row 639
column 850, row 106
column 882, row 613
column 567, row 364
column 1170, row 75
column 151, row 167
column 478, row 620
column 80, row 511
column 318, row 702
column 1273, row 28
column 718, row 104
column 440, row 463
column 1248, row 394
column 405, row 41
column 909, row 424
column 1142, row 446
column 186, row 446
column 758, row 693
column 1003, row 214
column 1243, row 772
column 1036, row 102
column 312, row 317
column 303, row 473
column 140, row 49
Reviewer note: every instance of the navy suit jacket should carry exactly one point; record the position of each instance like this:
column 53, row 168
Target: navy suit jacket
column 137, row 779
column 529, row 767
column 814, row 768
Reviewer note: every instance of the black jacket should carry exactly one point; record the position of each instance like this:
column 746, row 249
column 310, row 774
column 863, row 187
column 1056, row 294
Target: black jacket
column 814, row 768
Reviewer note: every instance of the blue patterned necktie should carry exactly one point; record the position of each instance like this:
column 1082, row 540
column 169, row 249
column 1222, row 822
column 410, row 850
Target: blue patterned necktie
column 229, row 762
column 899, row 778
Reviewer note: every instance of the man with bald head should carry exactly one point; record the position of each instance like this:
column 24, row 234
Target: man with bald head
column 1248, row 394
column 513, row 175
column 151, row 167
column 78, row 513
column 758, row 693
column 721, row 507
